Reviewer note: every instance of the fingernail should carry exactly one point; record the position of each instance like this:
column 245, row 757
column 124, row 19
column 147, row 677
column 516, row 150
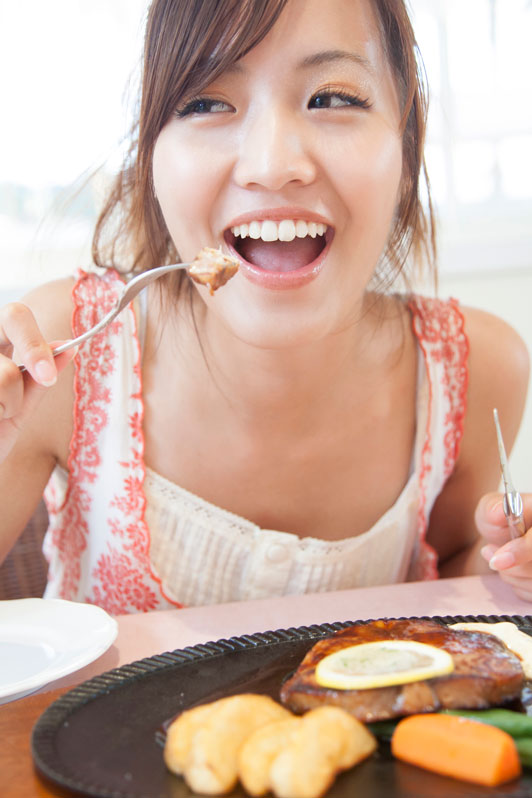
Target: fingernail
column 499, row 562
column 486, row 552
column 46, row 373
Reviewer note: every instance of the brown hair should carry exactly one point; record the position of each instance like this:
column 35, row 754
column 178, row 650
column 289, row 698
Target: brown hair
column 188, row 43
column 414, row 229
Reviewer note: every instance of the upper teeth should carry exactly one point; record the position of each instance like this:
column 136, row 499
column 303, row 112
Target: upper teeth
column 286, row 230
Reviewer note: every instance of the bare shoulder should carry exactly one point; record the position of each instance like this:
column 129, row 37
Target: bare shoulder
column 51, row 304
column 499, row 366
column 490, row 335
column 50, row 427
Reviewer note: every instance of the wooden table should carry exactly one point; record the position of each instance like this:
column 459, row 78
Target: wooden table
column 152, row 633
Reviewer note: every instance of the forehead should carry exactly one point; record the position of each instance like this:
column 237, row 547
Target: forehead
column 306, row 27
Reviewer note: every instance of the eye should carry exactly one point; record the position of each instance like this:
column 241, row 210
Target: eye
column 333, row 98
column 202, row 106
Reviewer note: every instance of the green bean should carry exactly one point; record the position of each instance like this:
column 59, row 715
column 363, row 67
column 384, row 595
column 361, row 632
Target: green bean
column 515, row 723
column 383, row 729
column 524, row 749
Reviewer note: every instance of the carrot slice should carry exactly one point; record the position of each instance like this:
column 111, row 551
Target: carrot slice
column 457, row 747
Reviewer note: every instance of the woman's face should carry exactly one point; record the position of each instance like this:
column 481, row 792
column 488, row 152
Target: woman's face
column 291, row 160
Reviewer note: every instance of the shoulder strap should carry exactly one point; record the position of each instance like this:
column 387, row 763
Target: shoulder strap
column 100, row 540
column 439, row 327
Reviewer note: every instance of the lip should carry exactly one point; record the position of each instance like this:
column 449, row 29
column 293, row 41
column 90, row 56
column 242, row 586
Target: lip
column 278, row 281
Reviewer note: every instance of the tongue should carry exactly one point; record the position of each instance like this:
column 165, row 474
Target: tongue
column 281, row 256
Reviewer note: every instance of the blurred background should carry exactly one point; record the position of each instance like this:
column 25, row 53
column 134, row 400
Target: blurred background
column 69, row 76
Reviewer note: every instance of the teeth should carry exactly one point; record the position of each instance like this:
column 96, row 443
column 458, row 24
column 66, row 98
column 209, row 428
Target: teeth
column 255, row 230
column 269, row 231
column 301, row 228
column 285, row 230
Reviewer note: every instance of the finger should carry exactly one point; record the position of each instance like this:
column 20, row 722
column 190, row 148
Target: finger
column 20, row 331
column 19, row 393
column 490, row 519
column 11, row 388
column 488, row 551
column 62, row 360
column 513, row 554
column 33, row 391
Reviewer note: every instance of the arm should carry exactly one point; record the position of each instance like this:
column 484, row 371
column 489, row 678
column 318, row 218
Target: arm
column 36, row 417
column 498, row 377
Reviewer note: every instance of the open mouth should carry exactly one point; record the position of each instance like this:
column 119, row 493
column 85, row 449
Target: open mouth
column 279, row 247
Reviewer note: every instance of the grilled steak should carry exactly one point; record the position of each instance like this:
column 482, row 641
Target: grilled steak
column 486, row 673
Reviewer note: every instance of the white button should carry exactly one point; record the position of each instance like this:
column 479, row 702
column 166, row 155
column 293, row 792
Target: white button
column 277, row 553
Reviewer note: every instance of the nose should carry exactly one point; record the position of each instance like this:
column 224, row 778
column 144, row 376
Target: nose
column 274, row 150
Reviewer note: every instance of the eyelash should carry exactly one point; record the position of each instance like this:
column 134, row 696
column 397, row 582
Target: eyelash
column 353, row 100
column 191, row 107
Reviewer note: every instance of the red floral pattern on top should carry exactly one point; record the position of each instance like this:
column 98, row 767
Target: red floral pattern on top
column 439, row 327
column 112, row 567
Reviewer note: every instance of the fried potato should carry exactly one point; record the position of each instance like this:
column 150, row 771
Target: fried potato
column 208, row 749
column 328, row 739
column 258, row 752
column 180, row 735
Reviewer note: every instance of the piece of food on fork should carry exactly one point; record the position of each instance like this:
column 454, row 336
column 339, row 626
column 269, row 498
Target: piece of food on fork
column 211, row 267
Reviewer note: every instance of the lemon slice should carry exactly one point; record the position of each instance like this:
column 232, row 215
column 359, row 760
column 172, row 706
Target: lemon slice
column 381, row 664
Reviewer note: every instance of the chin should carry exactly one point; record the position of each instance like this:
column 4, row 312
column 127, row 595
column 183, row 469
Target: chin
column 277, row 331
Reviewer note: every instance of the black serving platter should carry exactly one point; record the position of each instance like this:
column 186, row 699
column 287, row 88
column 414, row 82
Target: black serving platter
column 104, row 738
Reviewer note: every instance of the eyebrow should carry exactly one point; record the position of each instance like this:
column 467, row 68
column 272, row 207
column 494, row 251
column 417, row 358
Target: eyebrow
column 328, row 56
column 317, row 59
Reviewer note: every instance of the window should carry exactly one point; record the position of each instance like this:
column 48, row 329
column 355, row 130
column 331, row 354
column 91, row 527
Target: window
column 479, row 151
column 65, row 65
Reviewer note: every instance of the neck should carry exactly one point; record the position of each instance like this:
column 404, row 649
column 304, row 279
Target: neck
column 295, row 386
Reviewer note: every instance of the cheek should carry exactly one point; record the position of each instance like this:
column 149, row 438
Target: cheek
column 372, row 178
column 182, row 184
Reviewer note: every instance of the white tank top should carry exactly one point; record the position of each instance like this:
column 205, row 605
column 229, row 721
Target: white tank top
column 126, row 538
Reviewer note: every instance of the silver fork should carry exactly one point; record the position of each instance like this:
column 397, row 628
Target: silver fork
column 129, row 292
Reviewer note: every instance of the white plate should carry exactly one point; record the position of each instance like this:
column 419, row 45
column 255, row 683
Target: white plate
column 45, row 639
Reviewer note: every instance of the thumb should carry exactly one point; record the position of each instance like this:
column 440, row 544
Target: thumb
column 34, row 391
column 62, row 360
column 490, row 519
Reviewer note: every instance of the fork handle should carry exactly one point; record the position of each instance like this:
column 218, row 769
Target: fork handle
column 129, row 292
column 107, row 319
column 513, row 510
column 83, row 337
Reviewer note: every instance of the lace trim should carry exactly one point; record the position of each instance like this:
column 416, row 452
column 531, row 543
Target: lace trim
column 161, row 491
column 122, row 579
column 71, row 535
column 440, row 328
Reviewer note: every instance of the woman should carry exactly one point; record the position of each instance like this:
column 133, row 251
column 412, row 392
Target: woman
column 305, row 428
